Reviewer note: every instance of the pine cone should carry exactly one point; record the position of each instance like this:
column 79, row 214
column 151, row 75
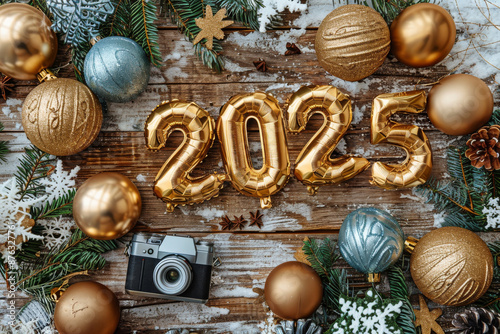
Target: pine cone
column 484, row 148
column 476, row 321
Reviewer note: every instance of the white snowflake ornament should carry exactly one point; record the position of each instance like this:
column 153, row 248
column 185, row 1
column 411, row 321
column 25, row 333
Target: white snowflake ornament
column 492, row 212
column 56, row 231
column 59, row 182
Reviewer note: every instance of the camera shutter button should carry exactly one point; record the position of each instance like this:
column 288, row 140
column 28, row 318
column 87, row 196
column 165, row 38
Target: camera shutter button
column 150, row 251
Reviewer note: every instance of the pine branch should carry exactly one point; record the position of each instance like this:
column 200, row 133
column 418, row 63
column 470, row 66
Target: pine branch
column 34, row 165
column 3, row 147
column 243, row 11
column 56, row 208
column 399, row 291
column 144, row 30
column 389, row 9
column 118, row 24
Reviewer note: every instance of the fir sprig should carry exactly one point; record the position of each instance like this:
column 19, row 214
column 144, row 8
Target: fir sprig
column 33, row 166
column 3, row 147
column 58, row 207
column 399, row 291
column 144, row 30
column 390, row 9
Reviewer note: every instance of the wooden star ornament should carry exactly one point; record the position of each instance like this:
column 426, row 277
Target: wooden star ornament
column 211, row 26
column 427, row 319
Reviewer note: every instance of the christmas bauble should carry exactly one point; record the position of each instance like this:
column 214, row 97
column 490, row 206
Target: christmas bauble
column 87, row 307
column 293, row 290
column 352, row 42
column 422, row 35
column 117, row 69
column 61, row 116
column 452, row 266
column 371, row 240
column 27, row 44
column 459, row 104
column 107, row 206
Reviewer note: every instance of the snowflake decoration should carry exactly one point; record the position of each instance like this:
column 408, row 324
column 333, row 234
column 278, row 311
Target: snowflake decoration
column 59, row 181
column 14, row 222
column 492, row 211
column 57, row 231
column 369, row 315
column 79, row 19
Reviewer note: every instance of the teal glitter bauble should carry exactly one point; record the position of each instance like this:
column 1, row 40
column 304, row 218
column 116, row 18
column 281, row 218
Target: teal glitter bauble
column 117, row 69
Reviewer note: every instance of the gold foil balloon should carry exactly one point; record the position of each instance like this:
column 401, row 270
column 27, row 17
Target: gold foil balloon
column 293, row 290
column 173, row 183
column 352, row 42
column 87, row 308
column 27, row 44
column 232, row 133
column 460, row 104
column 422, row 35
column 416, row 169
column 61, row 116
column 107, row 206
column 313, row 166
column 451, row 266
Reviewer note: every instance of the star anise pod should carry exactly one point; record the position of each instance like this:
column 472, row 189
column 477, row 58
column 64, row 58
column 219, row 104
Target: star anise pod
column 292, row 49
column 4, row 86
column 256, row 219
column 226, row 223
column 239, row 222
column 260, row 65
column 484, row 148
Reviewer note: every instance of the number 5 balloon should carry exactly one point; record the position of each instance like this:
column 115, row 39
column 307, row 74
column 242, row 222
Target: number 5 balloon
column 173, row 184
column 233, row 136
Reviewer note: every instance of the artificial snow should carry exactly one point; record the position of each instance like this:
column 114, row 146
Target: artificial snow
column 492, row 211
column 140, row 178
column 274, row 7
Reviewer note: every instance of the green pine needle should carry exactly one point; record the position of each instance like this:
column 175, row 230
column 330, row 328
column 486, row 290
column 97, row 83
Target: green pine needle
column 144, row 30
column 399, row 291
column 3, row 147
column 33, row 166
column 390, row 9
column 58, row 207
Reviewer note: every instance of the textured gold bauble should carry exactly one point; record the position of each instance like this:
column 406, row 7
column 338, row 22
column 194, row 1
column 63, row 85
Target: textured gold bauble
column 87, row 308
column 62, row 116
column 452, row 266
column 27, row 44
column 352, row 42
column 459, row 104
column 293, row 290
column 107, row 206
column 422, row 35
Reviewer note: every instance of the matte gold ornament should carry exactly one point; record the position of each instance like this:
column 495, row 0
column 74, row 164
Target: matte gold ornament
column 293, row 290
column 27, row 43
column 173, row 183
column 416, row 169
column 61, row 116
column 232, row 133
column 460, row 104
column 352, row 42
column 107, row 206
column 422, row 35
column 87, row 307
column 426, row 319
column 211, row 26
column 452, row 266
column 313, row 166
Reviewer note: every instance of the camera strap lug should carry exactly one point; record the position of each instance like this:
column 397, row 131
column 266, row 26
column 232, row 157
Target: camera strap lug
column 217, row 262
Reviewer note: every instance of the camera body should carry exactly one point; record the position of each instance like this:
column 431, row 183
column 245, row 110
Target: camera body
column 169, row 266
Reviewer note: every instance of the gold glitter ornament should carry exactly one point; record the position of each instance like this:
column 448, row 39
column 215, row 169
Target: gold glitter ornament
column 352, row 42
column 451, row 266
column 61, row 116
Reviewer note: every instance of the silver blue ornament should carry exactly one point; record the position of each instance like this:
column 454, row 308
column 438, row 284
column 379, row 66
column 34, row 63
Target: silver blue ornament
column 117, row 69
column 371, row 240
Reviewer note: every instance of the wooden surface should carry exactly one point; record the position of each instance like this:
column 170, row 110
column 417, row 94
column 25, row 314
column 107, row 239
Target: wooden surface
column 247, row 256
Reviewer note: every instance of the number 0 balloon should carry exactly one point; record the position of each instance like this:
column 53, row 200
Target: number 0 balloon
column 232, row 133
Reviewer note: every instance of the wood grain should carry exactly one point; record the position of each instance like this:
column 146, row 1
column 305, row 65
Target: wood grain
column 249, row 255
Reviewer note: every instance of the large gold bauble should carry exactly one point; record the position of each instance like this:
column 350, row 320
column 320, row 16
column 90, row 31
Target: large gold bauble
column 27, row 44
column 459, row 104
column 87, row 308
column 62, row 116
column 422, row 35
column 107, row 206
column 352, row 42
column 293, row 290
column 452, row 266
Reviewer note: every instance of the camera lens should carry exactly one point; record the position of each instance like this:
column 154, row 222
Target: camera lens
column 172, row 275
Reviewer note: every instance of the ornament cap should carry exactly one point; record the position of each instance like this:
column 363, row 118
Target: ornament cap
column 95, row 39
column 373, row 277
column 410, row 244
column 56, row 293
column 45, row 75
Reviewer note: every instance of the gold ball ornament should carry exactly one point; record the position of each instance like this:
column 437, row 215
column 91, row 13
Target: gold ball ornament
column 352, row 42
column 87, row 307
column 422, row 35
column 107, row 206
column 459, row 104
column 452, row 266
column 27, row 43
column 61, row 116
column 293, row 290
